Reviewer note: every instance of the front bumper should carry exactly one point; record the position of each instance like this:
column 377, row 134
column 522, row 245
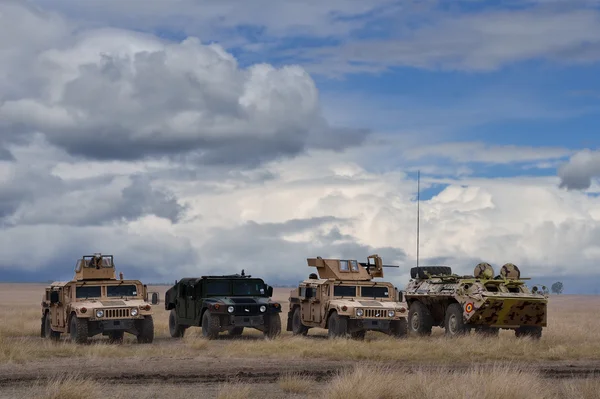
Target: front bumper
column 372, row 324
column 246, row 321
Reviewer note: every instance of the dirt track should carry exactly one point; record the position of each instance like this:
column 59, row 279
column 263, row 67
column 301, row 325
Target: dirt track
column 211, row 370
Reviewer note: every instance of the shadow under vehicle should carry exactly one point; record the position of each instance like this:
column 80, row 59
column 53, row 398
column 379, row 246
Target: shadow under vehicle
column 222, row 303
column 96, row 302
column 483, row 302
column 345, row 300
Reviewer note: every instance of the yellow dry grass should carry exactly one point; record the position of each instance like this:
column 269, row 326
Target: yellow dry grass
column 496, row 382
column 292, row 383
column 573, row 333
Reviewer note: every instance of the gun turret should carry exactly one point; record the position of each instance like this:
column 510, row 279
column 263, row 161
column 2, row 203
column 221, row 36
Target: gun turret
column 95, row 267
column 348, row 269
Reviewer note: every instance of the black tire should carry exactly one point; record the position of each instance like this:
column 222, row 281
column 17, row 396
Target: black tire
column 454, row 323
column 358, row 335
column 272, row 325
column 235, row 331
column 297, row 327
column 145, row 329
column 399, row 328
column 337, row 326
column 529, row 332
column 78, row 329
column 49, row 333
column 175, row 329
column 420, row 321
column 116, row 337
column 43, row 326
column 419, row 272
column 211, row 325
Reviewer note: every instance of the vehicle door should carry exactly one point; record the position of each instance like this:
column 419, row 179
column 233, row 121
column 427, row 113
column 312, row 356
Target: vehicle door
column 316, row 303
column 306, row 304
column 57, row 310
column 193, row 305
column 190, row 305
column 181, row 301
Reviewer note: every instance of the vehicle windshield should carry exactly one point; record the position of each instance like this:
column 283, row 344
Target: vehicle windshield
column 218, row 288
column 250, row 287
column 375, row 292
column 88, row 291
column 341, row 290
column 121, row 290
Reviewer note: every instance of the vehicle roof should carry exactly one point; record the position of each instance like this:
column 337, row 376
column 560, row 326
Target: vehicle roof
column 91, row 282
column 368, row 283
column 224, row 277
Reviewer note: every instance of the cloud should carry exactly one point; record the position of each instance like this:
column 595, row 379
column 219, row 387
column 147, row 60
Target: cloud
column 112, row 94
column 577, row 173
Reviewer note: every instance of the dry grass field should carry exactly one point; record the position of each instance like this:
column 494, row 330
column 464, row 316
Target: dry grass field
column 557, row 366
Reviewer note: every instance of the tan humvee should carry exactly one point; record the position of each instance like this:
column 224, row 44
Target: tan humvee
column 344, row 300
column 95, row 302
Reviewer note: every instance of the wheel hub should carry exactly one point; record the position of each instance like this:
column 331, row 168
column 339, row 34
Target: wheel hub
column 414, row 322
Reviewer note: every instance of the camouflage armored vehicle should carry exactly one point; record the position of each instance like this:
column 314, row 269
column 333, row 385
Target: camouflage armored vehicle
column 346, row 301
column 222, row 303
column 95, row 302
column 481, row 302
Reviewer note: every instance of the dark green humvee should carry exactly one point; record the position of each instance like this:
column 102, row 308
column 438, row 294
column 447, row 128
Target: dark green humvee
column 222, row 303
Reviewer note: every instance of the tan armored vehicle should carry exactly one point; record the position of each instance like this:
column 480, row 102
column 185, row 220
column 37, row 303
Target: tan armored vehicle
column 345, row 300
column 481, row 302
column 95, row 302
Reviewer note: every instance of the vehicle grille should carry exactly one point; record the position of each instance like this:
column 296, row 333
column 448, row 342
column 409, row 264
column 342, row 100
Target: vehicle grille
column 251, row 310
column 375, row 313
column 116, row 313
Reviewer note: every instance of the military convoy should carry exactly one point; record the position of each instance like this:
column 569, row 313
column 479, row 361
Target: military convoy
column 95, row 302
column 341, row 297
column 345, row 300
column 222, row 303
column 482, row 302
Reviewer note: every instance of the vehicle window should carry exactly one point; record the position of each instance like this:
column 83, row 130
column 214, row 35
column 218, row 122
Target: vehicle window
column 90, row 291
column 375, row 292
column 344, row 265
column 344, row 290
column 121, row 290
column 354, row 265
column 248, row 288
column 218, row 288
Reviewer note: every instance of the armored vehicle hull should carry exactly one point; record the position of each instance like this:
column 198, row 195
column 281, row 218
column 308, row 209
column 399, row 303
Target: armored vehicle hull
column 222, row 303
column 481, row 302
column 96, row 303
column 344, row 300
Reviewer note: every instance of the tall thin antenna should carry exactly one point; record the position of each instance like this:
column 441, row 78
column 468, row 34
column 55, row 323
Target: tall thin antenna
column 418, row 211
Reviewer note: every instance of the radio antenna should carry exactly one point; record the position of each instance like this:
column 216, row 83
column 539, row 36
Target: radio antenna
column 418, row 213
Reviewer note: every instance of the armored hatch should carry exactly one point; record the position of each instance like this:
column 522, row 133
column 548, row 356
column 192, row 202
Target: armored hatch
column 350, row 269
column 95, row 267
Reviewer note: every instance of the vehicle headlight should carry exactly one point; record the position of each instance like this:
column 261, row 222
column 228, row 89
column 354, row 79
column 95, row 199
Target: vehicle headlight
column 263, row 308
column 99, row 313
column 230, row 309
column 134, row 312
column 391, row 313
column 359, row 312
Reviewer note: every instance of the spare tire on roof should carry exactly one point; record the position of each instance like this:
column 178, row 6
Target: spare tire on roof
column 431, row 270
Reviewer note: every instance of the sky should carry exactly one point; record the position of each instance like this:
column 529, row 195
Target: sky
column 193, row 137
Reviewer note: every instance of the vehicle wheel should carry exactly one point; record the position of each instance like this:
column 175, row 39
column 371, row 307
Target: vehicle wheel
column 487, row 331
column 145, row 329
column 236, row 331
column 43, row 332
column 273, row 325
column 211, row 325
column 176, row 330
column 399, row 328
column 337, row 326
column 79, row 330
column 358, row 335
column 420, row 321
column 297, row 327
column 529, row 331
column 49, row 333
column 116, row 337
column 454, row 322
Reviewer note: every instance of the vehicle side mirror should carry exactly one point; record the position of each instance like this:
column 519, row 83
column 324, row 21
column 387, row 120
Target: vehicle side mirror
column 155, row 298
column 54, row 298
column 269, row 291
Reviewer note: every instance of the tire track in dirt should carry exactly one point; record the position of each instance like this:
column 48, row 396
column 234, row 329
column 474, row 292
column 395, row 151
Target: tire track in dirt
column 210, row 370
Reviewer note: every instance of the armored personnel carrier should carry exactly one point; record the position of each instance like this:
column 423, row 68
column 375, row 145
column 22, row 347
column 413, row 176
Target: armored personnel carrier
column 483, row 302
column 95, row 302
column 345, row 300
column 222, row 303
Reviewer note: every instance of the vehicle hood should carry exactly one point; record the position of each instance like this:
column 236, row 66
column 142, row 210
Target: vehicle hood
column 243, row 300
column 110, row 303
column 367, row 303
